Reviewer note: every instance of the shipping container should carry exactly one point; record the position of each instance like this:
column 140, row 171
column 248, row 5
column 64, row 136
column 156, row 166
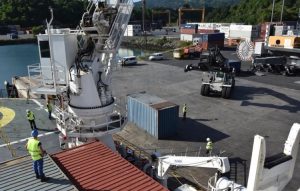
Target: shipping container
column 188, row 31
column 208, row 31
column 186, row 37
column 209, row 40
column 155, row 115
column 225, row 30
column 284, row 41
column 189, row 26
column 244, row 31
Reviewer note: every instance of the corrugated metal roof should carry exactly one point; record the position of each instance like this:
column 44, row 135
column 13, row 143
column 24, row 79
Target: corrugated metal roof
column 163, row 105
column 94, row 166
column 18, row 175
column 147, row 99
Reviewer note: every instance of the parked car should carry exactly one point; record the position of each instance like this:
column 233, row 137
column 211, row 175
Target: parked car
column 156, row 56
column 128, row 60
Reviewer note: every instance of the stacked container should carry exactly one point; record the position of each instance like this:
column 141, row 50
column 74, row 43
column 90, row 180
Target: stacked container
column 209, row 40
column 189, row 29
column 208, row 31
column 244, row 32
column 156, row 116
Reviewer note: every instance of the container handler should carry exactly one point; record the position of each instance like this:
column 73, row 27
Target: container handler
column 219, row 73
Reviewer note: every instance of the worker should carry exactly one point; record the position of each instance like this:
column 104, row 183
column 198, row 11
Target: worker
column 49, row 108
column 28, row 95
column 31, row 119
column 209, row 146
column 184, row 109
column 35, row 149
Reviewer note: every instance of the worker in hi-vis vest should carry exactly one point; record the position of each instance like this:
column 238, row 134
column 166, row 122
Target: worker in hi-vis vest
column 184, row 112
column 35, row 149
column 209, row 146
column 31, row 119
column 49, row 108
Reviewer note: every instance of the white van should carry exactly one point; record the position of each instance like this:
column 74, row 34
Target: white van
column 128, row 60
column 156, row 56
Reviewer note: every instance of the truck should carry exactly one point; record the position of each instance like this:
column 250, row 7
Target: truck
column 218, row 73
column 193, row 51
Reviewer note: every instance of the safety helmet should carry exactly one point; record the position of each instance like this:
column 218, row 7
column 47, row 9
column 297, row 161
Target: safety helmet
column 34, row 133
column 27, row 110
column 207, row 139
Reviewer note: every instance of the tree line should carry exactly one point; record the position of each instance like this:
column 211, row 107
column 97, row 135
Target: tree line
column 67, row 13
column 28, row 13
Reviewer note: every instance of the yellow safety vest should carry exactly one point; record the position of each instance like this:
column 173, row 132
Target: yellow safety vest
column 34, row 149
column 49, row 106
column 184, row 109
column 209, row 145
column 30, row 115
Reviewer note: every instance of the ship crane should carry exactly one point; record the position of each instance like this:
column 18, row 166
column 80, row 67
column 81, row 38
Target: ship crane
column 76, row 67
column 266, row 173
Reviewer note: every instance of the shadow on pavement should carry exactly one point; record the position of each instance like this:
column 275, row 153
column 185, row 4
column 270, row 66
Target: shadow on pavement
column 246, row 93
column 134, row 65
column 192, row 130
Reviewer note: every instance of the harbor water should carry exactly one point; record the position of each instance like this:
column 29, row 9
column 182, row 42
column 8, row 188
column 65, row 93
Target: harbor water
column 14, row 59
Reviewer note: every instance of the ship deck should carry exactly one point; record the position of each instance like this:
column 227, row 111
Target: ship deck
column 266, row 109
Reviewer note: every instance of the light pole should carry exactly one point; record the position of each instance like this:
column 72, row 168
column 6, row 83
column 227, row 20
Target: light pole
column 272, row 11
column 143, row 15
column 281, row 11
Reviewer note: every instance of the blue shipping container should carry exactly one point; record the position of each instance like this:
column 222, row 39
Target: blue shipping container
column 189, row 26
column 156, row 116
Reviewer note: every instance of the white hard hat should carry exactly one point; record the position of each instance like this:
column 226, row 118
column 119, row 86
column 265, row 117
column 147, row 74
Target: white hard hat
column 207, row 139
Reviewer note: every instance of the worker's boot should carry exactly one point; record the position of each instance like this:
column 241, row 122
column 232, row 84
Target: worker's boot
column 37, row 176
column 44, row 179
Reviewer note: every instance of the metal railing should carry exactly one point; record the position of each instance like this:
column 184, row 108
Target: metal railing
column 46, row 76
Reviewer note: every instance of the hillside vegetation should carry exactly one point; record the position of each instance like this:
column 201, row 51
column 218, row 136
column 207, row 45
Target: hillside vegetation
column 67, row 13
column 255, row 11
column 175, row 4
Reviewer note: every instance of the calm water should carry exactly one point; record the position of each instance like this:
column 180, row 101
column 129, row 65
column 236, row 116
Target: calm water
column 14, row 59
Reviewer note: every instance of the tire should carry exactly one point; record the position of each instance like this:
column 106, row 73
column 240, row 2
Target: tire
column 233, row 83
column 226, row 91
column 206, row 90
column 223, row 92
column 202, row 90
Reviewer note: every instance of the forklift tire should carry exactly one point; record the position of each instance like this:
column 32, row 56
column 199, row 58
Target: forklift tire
column 202, row 90
column 226, row 92
column 206, row 90
column 233, row 83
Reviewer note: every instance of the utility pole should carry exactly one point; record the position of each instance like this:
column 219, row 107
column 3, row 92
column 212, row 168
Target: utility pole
column 143, row 15
column 281, row 11
column 272, row 11
column 143, row 20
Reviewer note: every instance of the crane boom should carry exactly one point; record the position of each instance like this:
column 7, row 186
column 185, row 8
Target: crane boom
column 266, row 173
column 219, row 163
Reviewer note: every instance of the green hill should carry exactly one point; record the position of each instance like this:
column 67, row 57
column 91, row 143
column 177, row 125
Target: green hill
column 175, row 4
column 255, row 11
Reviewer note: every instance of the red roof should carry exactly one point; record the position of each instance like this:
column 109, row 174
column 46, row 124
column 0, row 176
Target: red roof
column 94, row 166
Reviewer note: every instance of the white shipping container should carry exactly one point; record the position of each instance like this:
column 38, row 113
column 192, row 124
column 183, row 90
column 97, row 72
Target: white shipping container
column 186, row 37
column 211, row 26
column 234, row 27
column 225, row 30
column 244, row 31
